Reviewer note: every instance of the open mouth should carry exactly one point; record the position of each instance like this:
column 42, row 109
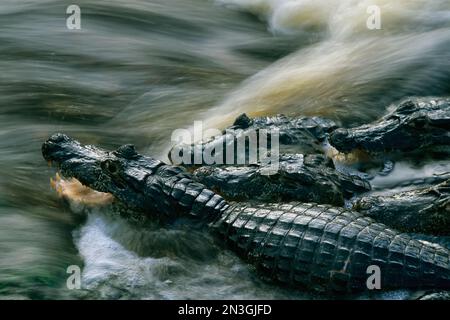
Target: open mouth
column 75, row 193
column 351, row 157
column 92, row 176
column 64, row 154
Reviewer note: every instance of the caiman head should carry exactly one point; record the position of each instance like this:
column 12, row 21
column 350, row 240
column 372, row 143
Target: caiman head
column 414, row 125
column 138, row 182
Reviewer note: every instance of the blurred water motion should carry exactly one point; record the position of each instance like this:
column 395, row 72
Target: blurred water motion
column 139, row 69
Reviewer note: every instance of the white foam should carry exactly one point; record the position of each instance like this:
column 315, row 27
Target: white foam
column 114, row 269
column 350, row 69
column 342, row 16
column 108, row 263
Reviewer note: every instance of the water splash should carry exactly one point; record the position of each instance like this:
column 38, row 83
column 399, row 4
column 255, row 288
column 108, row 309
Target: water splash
column 352, row 70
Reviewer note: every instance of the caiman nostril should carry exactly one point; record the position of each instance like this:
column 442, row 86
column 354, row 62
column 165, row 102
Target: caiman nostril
column 58, row 138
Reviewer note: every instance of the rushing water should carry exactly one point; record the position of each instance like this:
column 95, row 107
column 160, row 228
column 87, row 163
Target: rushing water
column 137, row 70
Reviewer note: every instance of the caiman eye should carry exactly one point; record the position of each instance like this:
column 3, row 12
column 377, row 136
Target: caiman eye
column 110, row 166
column 419, row 122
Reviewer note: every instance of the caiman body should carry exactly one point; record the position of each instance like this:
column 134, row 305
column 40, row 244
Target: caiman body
column 328, row 248
column 420, row 124
column 306, row 178
column 423, row 210
column 300, row 244
column 304, row 135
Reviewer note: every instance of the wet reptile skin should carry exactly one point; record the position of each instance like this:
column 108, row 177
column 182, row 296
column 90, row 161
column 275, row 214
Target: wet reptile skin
column 316, row 246
column 415, row 125
column 296, row 135
column 305, row 245
column 305, row 178
column 422, row 210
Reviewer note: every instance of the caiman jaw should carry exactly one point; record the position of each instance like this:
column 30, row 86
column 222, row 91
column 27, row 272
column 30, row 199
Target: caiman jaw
column 79, row 196
column 137, row 182
column 93, row 167
column 61, row 151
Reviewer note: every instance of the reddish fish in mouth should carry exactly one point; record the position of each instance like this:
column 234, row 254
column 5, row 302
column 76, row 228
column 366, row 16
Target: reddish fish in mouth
column 74, row 192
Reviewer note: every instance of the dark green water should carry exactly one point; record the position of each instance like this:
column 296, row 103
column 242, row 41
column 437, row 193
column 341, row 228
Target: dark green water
column 136, row 71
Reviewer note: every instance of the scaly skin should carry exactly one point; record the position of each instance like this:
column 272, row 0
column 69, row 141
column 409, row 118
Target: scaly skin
column 309, row 178
column 415, row 125
column 303, row 245
column 296, row 135
column 329, row 249
column 425, row 210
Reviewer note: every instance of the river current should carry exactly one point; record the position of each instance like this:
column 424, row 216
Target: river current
column 139, row 69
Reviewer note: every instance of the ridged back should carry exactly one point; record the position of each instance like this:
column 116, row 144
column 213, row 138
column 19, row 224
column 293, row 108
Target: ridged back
column 175, row 194
column 330, row 249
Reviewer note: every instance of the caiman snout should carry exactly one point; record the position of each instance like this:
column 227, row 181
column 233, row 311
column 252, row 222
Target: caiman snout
column 339, row 139
column 60, row 148
column 52, row 149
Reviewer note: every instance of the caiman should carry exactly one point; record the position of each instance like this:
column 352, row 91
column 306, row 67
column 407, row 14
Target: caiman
column 304, row 245
column 423, row 210
column 303, row 135
column 306, row 178
column 415, row 125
